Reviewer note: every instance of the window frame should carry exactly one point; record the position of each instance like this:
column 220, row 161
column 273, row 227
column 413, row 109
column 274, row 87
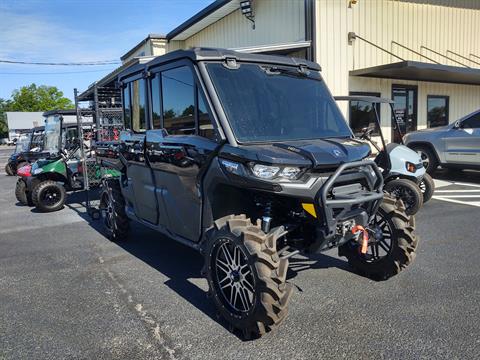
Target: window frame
column 468, row 117
column 156, row 72
column 127, row 82
column 126, row 86
column 447, row 109
column 377, row 106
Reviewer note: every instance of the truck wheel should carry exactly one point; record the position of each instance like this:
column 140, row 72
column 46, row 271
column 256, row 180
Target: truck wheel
column 112, row 208
column 428, row 158
column 21, row 192
column 427, row 186
column 246, row 276
column 392, row 244
column 48, row 196
column 9, row 170
column 408, row 192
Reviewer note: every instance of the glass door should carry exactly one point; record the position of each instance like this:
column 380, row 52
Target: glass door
column 405, row 98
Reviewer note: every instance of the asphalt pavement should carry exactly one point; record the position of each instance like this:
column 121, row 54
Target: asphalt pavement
column 68, row 292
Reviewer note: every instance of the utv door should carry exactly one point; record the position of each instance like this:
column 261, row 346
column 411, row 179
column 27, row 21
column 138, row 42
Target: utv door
column 177, row 162
column 179, row 152
column 141, row 190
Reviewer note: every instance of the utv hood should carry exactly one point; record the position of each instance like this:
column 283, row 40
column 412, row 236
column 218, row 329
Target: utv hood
column 318, row 153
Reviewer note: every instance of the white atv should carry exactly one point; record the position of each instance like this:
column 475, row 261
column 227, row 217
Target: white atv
column 402, row 168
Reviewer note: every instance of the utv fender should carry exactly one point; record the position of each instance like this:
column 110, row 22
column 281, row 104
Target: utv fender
column 221, row 197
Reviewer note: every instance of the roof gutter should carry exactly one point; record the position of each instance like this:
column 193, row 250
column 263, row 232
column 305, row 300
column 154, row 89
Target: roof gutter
column 197, row 17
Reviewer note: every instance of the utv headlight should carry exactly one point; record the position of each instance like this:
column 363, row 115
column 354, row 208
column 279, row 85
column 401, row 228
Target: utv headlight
column 290, row 172
column 411, row 167
column 268, row 172
column 265, row 171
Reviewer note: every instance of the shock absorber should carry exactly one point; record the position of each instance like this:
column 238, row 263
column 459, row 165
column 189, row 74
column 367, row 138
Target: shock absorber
column 267, row 217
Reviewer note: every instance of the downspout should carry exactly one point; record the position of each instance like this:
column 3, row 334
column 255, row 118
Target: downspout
column 310, row 28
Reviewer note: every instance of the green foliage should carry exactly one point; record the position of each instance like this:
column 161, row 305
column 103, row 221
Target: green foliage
column 39, row 98
column 4, row 106
column 190, row 110
column 32, row 98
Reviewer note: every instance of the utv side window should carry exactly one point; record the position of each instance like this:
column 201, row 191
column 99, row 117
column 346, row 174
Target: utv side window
column 178, row 101
column 127, row 115
column 139, row 118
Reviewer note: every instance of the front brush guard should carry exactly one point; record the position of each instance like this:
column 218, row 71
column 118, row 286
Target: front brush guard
column 345, row 202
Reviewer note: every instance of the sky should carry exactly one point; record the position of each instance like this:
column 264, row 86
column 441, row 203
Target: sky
column 78, row 31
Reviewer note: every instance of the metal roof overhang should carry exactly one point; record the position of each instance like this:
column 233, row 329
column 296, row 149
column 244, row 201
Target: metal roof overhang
column 274, row 47
column 421, row 71
column 110, row 79
column 212, row 13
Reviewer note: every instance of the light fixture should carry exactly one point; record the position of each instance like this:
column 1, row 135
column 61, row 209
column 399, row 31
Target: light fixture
column 247, row 11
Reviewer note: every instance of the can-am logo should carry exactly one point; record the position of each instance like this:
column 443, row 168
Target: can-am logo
column 336, row 153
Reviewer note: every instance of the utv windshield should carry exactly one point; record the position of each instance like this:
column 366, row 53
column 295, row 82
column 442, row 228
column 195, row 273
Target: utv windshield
column 51, row 140
column 23, row 143
column 269, row 103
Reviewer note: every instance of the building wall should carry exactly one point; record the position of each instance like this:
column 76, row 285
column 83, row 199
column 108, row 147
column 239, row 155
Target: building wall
column 441, row 25
column 277, row 21
column 463, row 99
column 159, row 47
column 152, row 47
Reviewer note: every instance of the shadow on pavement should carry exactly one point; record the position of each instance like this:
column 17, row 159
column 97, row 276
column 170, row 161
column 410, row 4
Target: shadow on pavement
column 181, row 264
column 458, row 175
column 315, row 262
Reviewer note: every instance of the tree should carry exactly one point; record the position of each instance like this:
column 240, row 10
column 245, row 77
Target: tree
column 4, row 106
column 32, row 98
column 38, row 98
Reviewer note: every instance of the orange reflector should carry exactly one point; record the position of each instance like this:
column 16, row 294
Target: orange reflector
column 309, row 208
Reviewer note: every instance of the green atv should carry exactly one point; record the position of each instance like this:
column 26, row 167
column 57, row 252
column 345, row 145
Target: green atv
column 44, row 184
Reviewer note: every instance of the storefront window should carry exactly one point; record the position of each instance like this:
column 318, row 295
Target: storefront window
column 437, row 111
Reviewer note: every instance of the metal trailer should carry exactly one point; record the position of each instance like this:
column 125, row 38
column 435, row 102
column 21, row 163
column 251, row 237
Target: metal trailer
column 103, row 105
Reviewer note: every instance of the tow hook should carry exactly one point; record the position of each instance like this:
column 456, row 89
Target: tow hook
column 364, row 233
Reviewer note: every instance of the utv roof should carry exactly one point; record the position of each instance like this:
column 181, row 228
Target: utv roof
column 60, row 112
column 371, row 99
column 74, row 125
column 214, row 54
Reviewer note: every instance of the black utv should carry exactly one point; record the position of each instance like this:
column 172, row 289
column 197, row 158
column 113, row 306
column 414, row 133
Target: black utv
column 27, row 150
column 248, row 159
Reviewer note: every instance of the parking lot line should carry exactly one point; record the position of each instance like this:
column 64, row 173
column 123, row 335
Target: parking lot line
column 465, row 184
column 449, row 199
column 458, row 191
column 462, row 196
